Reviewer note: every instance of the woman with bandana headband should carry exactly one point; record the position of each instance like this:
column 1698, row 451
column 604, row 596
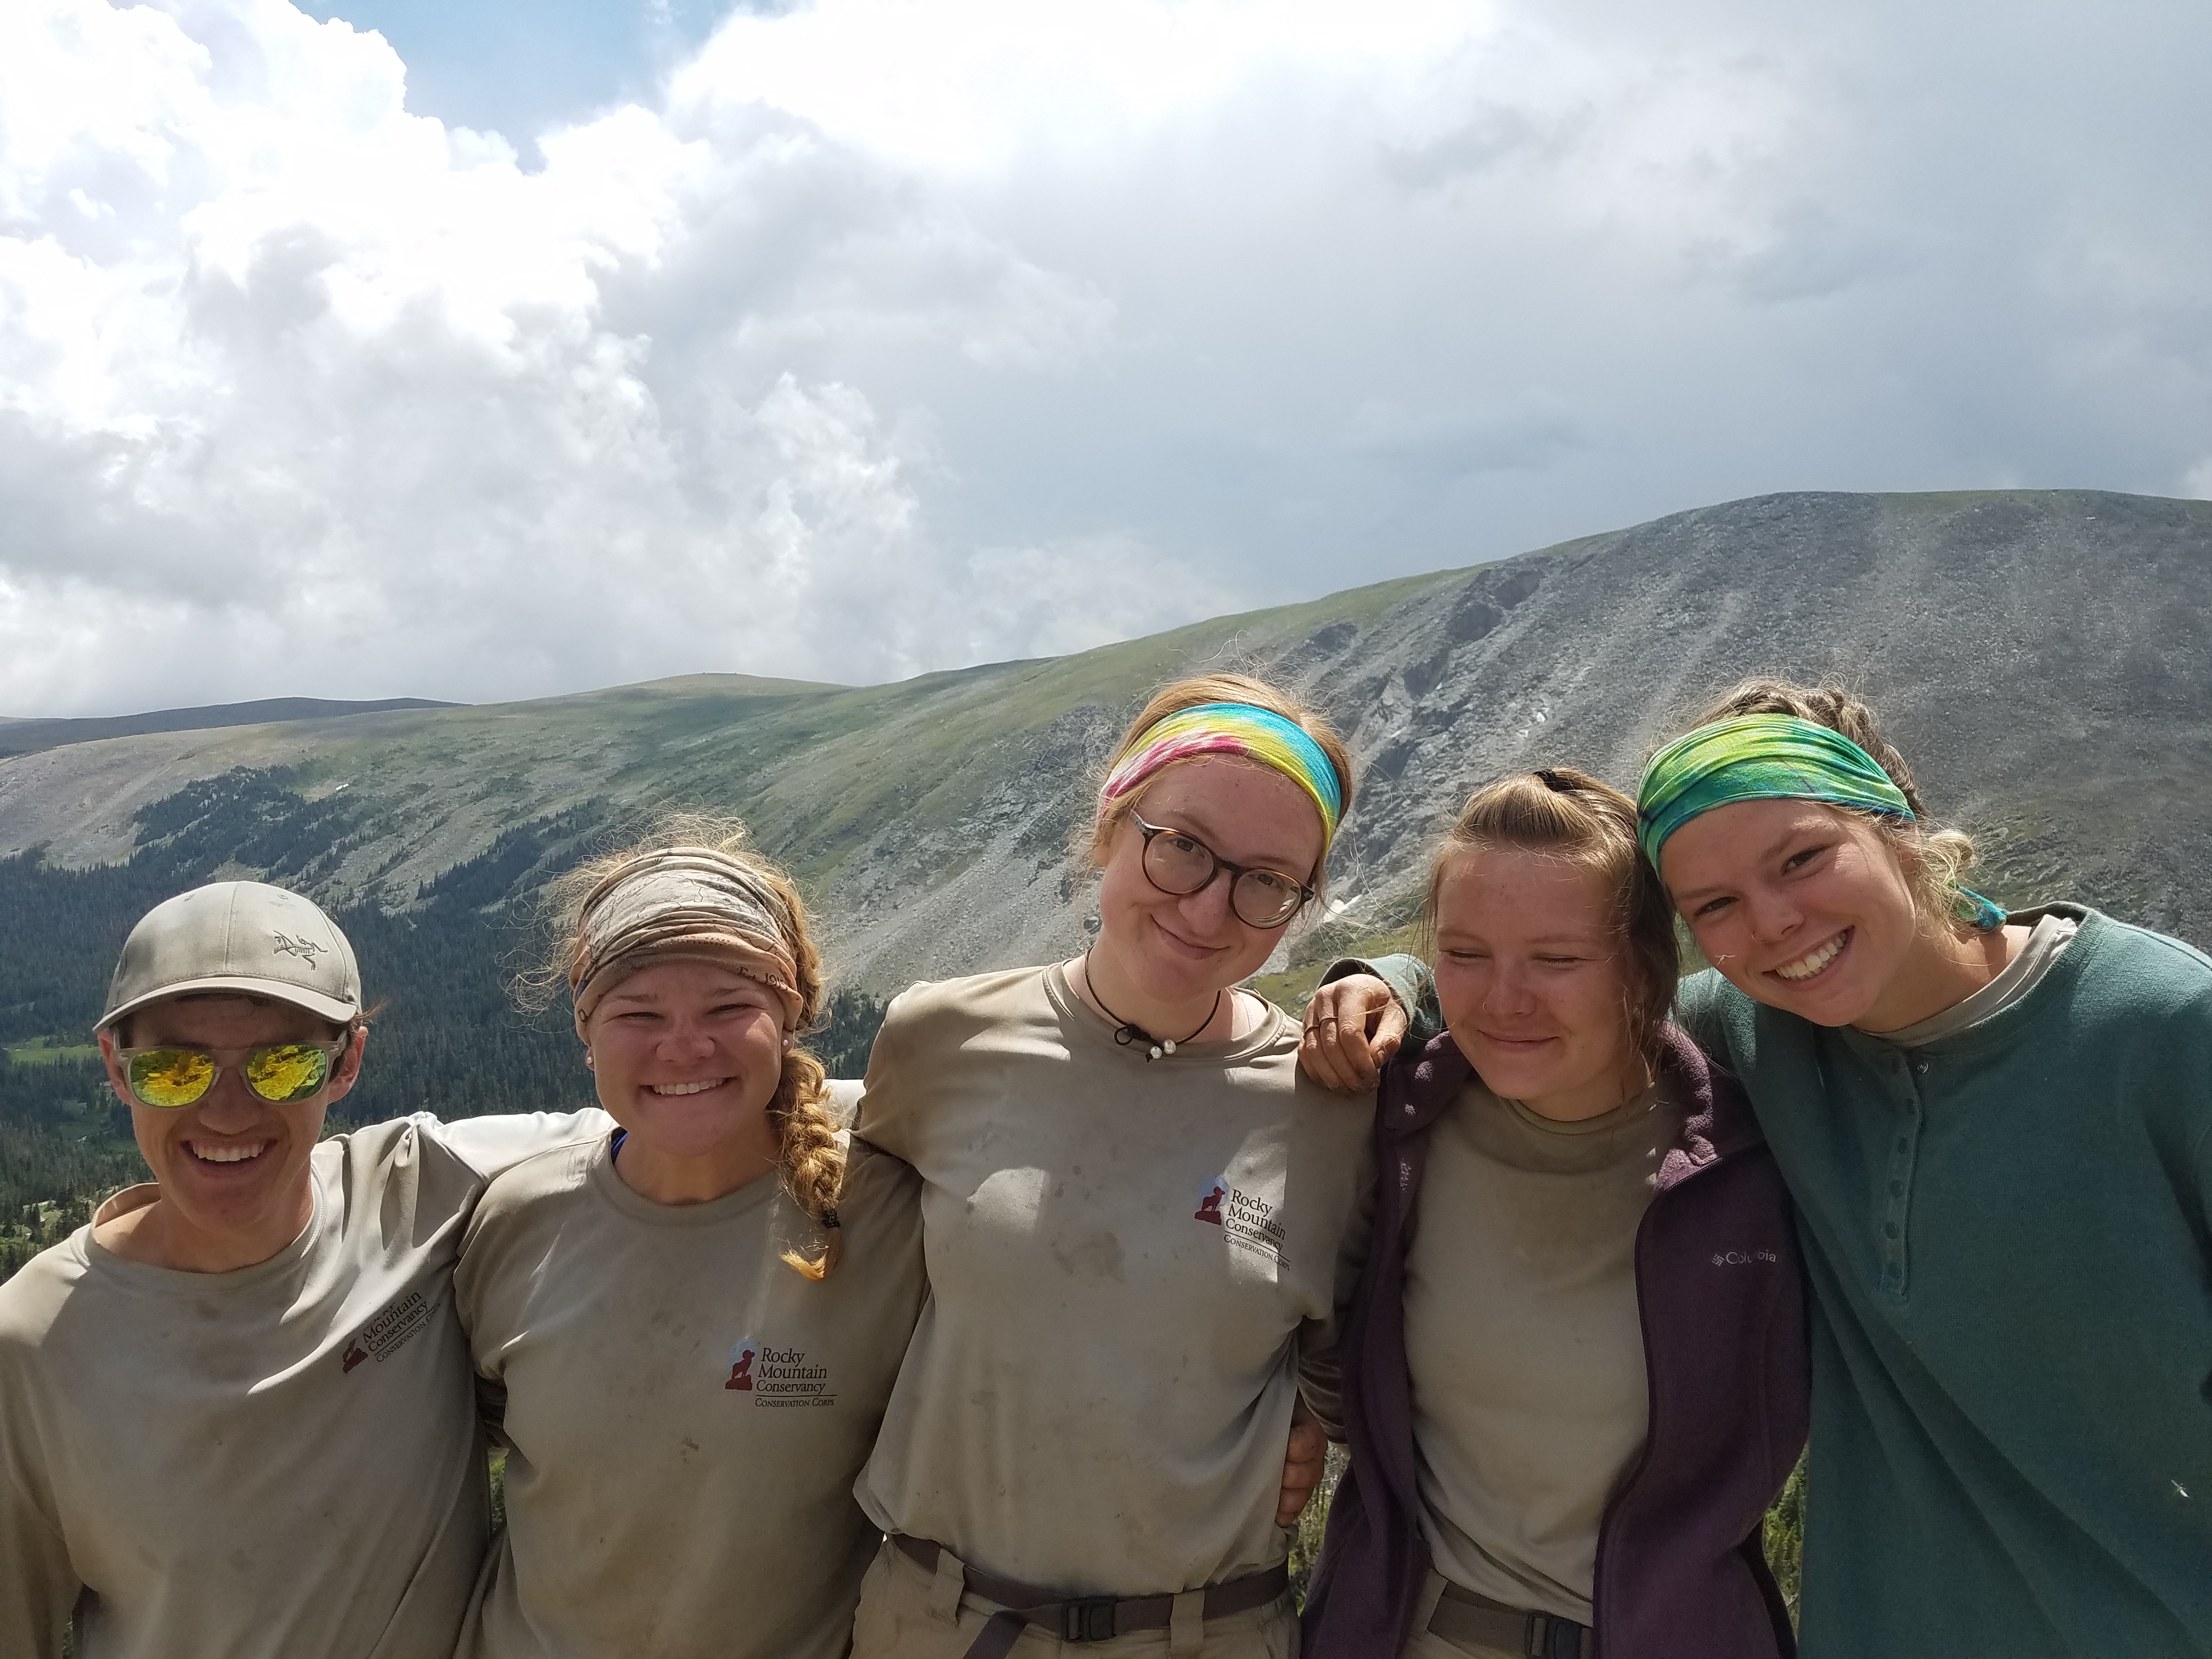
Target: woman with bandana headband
column 1135, row 1216
column 686, row 1330
column 1997, row 1129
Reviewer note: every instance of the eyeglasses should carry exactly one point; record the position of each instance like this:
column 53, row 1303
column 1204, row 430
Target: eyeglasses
column 280, row 1072
column 1178, row 862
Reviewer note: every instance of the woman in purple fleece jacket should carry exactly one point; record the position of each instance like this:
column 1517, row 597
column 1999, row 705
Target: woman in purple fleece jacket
column 1575, row 1366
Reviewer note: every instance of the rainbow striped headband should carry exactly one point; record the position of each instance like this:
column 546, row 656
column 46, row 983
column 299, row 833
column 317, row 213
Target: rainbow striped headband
column 1230, row 728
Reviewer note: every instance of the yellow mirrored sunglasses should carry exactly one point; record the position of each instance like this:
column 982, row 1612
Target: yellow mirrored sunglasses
column 279, row 1073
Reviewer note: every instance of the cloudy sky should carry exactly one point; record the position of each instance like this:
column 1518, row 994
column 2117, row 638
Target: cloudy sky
column 484, row 348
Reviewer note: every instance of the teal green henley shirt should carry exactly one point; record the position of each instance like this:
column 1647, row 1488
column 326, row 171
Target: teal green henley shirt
column 2006, row 1231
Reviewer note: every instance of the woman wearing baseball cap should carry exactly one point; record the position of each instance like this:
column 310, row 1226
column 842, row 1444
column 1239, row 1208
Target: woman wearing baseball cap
column 1135, row 1217
column 235, row 1411
column 687, row 1327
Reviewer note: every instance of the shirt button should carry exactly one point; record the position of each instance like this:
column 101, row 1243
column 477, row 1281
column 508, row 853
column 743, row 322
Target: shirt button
column 1903, row 1144
column 1890, row 1230
column 1897, row 1189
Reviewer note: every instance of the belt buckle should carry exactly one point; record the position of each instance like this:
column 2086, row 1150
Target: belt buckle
column 1087, row 1621
column 1552, row 1637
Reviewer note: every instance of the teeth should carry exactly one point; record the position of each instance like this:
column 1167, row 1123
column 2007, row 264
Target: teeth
column 687, row 1088
column 1806, row 967
column 228, row 1154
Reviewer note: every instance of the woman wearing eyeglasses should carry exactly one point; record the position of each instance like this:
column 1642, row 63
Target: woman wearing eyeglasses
column 1134, row 1210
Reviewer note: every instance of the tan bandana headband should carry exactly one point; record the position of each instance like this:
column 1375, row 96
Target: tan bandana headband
column 683, row 904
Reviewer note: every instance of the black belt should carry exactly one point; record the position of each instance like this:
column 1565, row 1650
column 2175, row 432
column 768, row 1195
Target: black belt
column 1463, row 1616
column 1087, row 1618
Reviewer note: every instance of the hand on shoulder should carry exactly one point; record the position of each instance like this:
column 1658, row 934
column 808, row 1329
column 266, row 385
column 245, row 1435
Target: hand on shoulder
column 1354, row 1026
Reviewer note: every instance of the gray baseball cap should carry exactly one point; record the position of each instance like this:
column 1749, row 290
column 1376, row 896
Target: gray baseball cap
column 244, row 937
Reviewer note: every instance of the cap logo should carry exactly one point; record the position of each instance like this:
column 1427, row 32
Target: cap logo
column 306, row 950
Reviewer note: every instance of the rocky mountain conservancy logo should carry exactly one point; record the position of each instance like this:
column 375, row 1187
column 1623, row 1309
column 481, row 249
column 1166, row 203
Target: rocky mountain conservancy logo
column 389, row 1332
column 1247, row 1222
column 306, row 948
column 1209, row 1204
column 778, row 1377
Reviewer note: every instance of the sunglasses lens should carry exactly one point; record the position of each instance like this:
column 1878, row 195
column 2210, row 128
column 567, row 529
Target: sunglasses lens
column 287, row 1071
column 170, row 1077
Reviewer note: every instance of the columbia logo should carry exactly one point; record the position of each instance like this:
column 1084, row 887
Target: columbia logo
column 1741, row 1258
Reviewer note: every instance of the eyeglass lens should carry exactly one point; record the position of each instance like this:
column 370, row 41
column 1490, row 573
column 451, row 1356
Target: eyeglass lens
column 1176, row 863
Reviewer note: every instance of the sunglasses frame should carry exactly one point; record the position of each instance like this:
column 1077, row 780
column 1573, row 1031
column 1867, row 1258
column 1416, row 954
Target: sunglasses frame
column 1236, row 872
column 241, row 1058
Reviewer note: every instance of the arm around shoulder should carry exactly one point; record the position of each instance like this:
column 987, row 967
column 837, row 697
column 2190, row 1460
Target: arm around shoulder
column 881, row 1117
column 1411, row 980
column 492, row 1145
column 1321, row 1342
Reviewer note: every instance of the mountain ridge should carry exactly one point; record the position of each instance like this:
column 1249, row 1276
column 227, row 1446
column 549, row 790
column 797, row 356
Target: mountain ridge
column 2002, row 635
column 21, row 734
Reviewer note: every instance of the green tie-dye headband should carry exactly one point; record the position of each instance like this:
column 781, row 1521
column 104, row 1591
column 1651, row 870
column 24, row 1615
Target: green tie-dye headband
column 1769, row 758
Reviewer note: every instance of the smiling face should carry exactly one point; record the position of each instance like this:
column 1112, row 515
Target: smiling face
column 687, row 1057
column 233, row 1167
column 1532, row 978
column 1174, row 949
column 1803, row 907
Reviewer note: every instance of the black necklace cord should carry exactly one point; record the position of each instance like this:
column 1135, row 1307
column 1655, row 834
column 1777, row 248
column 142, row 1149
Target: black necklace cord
column 1129, row 1031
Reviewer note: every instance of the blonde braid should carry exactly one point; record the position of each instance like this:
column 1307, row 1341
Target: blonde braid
column 813, row 1167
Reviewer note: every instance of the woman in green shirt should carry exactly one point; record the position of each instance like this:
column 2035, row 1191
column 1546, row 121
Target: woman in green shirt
column 1998, row 1132
column 1997, row 1129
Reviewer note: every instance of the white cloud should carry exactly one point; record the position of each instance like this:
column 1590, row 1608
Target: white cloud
column 320, row 393
column 896, row 336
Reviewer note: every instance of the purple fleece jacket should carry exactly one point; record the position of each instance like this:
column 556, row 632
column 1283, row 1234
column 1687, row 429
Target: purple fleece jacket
column 1680, row 1571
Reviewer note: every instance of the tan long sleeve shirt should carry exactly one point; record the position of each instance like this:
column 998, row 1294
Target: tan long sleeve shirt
column 1125, row 1256
column 272, row 1463
column 686, row 1413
